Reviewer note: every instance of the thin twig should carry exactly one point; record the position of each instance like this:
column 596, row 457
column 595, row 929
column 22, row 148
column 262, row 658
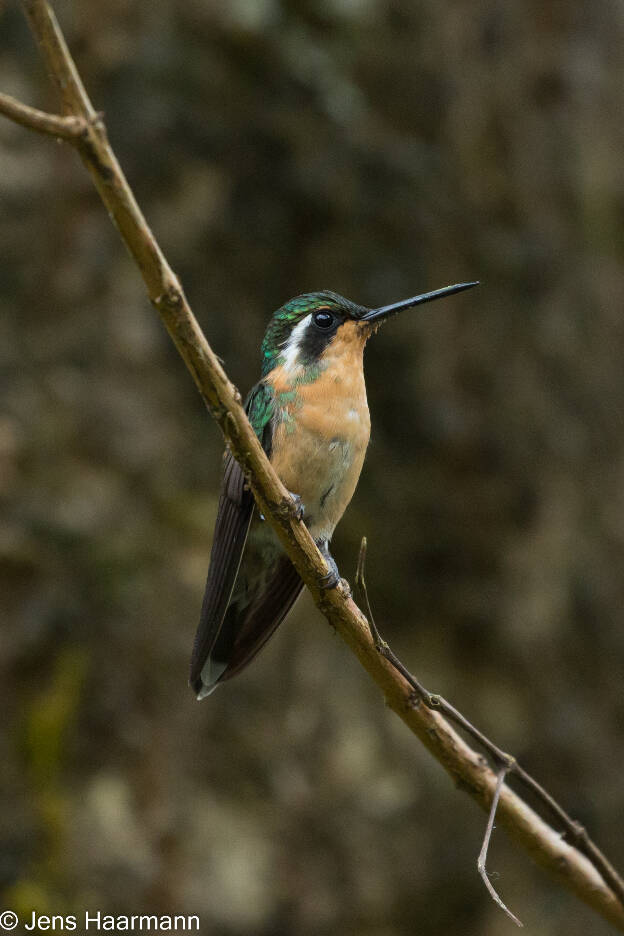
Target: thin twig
column 63, row 128
column 360, row 584
column 223, row 400
column 420, row 694
column 481, row 861
column 383, row 648
column 501, row 759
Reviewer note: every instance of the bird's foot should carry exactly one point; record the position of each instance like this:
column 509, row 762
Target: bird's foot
column 299, row 511
column 286, row 509
column 332, row 579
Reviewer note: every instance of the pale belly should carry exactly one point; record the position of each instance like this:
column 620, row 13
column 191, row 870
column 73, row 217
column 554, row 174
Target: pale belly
column 318, row 454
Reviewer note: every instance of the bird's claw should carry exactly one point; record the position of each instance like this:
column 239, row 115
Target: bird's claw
column 331, row 580
column 334, row 580
column 299, row 509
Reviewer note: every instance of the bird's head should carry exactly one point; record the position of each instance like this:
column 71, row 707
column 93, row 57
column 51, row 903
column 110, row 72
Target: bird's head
column 301, row 331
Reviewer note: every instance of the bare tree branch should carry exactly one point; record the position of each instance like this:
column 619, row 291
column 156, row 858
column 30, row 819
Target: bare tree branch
column 468, row 769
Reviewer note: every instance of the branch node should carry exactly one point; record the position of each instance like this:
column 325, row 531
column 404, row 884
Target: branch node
column 170, row 298
column 508, row 761
column 68, row 128
column 344, row 587
column 579, row 831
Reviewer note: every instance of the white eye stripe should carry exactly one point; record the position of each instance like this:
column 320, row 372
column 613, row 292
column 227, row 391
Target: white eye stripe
column 290, row 350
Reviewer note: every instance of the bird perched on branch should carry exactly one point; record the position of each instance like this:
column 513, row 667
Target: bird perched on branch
column 310, row 413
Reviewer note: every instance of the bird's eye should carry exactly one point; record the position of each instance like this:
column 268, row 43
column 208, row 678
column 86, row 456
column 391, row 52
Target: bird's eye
column 323, row 319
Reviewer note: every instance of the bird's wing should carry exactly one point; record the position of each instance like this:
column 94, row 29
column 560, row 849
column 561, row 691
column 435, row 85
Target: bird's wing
column 245, row 634
column 234, row 514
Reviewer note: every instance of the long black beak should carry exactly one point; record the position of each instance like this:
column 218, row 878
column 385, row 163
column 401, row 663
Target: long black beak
column 376, row 315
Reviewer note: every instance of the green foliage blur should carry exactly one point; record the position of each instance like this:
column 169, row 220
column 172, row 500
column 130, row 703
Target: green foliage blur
column 377, row 148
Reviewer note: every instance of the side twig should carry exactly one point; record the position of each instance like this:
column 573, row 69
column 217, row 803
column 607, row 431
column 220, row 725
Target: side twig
column 481, row 861
column 63, row 128
column 384, row 649
column 505, row 763
column 587, row 877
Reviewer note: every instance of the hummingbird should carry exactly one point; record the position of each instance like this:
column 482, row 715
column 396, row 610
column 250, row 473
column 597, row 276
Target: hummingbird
column 310, row 413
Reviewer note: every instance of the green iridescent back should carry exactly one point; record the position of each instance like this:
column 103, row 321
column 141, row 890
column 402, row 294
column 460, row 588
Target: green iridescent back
column 260, row 407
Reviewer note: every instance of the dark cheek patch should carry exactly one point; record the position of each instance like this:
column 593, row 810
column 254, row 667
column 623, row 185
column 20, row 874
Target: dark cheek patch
column 314, row 343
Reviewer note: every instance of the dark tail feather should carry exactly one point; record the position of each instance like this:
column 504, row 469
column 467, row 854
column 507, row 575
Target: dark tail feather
column 243, row 635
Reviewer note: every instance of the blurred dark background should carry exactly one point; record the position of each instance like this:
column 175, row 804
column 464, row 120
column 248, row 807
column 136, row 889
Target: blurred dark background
column 379, row 149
